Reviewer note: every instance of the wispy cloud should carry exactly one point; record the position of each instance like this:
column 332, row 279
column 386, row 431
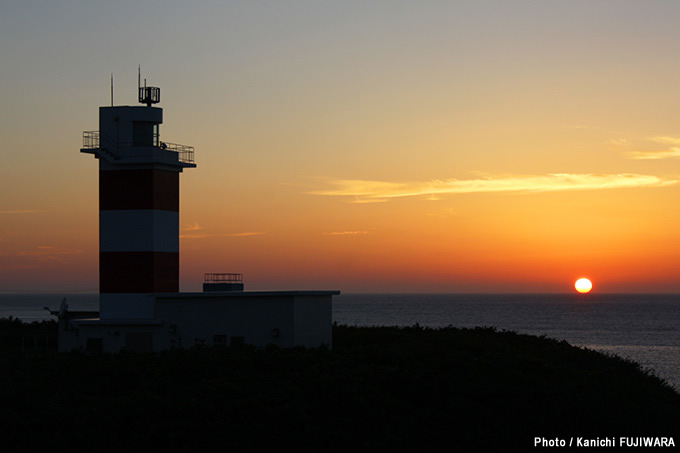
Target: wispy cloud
column 196, row 231
column 48, row 250
column 672, row 151
column 580, row 126
column 17, row 267
column 248, row 233
column 368, row 191
column 27, row 211
column 358, row 199
column 194, row 227
column 345, row 233
column 666, row 139
column 203, row 234
column 43, row 253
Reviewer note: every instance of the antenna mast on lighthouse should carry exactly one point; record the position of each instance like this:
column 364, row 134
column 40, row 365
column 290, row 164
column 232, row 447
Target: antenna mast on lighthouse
column 147, row 95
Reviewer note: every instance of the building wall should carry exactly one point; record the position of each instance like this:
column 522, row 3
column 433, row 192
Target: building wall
column 258, row 321
column 313, row 321
column 126, row 306
column 97, row 336
column 69, row 338
column 116, row 123
column 184, row 321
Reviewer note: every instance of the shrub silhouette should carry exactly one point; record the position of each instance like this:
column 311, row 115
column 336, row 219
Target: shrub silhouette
column 379, row 387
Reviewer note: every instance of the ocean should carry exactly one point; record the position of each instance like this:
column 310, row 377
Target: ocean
column 641, row 327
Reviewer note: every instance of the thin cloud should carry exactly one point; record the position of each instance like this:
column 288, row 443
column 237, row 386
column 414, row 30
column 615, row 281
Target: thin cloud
column 345, row 233
column 203, row 235
column 580, row 126
column 28, row 211
column 358, row 199
column 363, row 191
column 18, row 267
column 43, row 253
column 196, row 231
column 666, row 139
column 45, row 250
column 194, row 227
column 249, row 233
column 672, row 153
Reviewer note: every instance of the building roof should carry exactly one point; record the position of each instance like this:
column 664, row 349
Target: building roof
column 223, row 294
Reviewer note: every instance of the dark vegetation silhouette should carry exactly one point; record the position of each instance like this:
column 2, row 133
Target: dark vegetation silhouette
column 406, row 389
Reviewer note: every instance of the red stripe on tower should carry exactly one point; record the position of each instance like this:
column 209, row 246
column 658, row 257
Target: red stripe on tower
column 139, row 272
column 139, row 189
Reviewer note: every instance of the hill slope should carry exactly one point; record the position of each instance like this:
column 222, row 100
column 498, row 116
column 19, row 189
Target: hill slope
column 398, row 388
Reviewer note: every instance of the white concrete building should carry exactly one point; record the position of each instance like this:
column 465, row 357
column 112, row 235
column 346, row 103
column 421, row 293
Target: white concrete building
column 141, row 307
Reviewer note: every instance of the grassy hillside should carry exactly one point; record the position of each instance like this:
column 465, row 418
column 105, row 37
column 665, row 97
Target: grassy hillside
column 400, row 388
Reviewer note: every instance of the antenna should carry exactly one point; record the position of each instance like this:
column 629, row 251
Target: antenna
column 62, row 308
column 112, row 89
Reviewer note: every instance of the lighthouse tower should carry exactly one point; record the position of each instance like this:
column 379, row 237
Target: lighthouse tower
column 138, row 206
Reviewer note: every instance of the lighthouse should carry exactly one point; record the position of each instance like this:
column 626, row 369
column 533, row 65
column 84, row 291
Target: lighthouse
column 140, row 306
column 138, row 206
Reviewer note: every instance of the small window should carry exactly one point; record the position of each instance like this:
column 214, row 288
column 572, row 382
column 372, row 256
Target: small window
column 144, row 133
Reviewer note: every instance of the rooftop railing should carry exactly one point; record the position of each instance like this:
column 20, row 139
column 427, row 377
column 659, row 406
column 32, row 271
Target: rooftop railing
column 185, row 153
column 97, row 140
column 223, row 278
column 90, row 139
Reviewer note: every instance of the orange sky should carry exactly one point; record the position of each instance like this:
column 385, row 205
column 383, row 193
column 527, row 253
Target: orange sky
column 368, row 146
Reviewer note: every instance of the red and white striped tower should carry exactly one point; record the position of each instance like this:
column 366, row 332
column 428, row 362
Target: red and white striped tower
column 138, row 207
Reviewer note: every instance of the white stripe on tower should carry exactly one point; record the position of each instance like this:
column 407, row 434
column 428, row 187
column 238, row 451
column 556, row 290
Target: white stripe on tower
column 138, row 230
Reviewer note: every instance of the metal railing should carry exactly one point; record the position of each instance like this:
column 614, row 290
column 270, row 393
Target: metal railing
column 97, row 140
column 223, row 278
column 184, row 153
column 90, row 139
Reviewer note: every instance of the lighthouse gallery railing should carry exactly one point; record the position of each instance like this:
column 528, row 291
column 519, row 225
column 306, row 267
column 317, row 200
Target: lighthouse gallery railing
column 97, row 140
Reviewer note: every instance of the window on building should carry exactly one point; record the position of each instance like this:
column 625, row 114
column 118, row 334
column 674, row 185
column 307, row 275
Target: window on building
column 144, row 133
column 220, row 340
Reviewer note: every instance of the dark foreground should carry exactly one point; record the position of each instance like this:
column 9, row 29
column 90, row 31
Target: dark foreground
column 406, row 389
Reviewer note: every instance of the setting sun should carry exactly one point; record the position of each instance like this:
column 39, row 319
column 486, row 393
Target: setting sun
column 583, row 285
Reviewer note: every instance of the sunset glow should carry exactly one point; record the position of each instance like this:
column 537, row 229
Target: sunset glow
column 445, row 147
